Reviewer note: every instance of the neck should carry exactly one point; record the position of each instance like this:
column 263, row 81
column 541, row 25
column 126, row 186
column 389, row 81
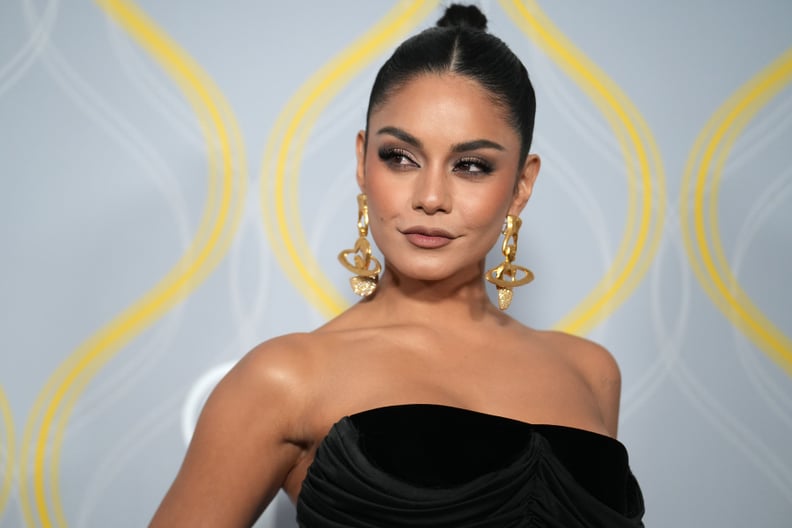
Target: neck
column 404, row 299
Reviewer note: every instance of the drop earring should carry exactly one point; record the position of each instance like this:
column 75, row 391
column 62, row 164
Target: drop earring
column 505, row 276
column 364, row 283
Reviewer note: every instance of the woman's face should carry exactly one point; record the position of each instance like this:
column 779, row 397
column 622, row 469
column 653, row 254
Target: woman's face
column 441, row 170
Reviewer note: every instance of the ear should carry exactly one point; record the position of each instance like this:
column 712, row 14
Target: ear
column 360, row 149
column 525, row 183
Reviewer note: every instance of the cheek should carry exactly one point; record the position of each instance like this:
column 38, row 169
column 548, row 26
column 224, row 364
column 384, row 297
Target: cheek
column 372, row 176
column 380, row 208
column 385, row 195
column 484, row 208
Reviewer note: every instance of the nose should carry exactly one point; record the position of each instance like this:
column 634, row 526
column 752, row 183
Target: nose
column 431, row 193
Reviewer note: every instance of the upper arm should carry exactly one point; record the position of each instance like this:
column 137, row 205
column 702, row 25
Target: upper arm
column 599, row 370
column 604, row 378
column 243, row 447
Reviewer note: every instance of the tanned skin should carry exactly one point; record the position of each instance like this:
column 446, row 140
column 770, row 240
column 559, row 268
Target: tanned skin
column 440, row 165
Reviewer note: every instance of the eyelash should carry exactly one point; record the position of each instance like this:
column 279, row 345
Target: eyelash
column 401, row 159
column 484, row 167
column 392, row 156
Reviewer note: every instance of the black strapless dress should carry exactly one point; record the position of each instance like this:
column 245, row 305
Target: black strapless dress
column 433, row 466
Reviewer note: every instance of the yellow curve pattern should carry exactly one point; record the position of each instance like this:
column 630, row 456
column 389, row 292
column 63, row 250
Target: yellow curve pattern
column 7, row 450
column 700, row 191
column 220, row 218
column 284, row 151
column 645, row 174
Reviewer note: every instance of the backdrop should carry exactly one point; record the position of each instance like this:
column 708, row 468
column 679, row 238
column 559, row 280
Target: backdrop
column 178, row 177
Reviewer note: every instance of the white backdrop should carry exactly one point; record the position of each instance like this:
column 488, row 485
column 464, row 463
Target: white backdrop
column 177, row 178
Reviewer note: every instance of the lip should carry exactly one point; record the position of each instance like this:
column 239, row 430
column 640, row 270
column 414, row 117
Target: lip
column 427, row 237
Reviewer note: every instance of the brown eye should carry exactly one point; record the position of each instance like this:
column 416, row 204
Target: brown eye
column 397, row 158
column 473, row 166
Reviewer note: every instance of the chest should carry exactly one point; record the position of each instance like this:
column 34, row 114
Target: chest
column 527, row 383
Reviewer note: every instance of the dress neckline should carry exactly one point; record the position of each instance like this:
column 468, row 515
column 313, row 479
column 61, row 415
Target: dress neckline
column 439, row 456
column 462, row 411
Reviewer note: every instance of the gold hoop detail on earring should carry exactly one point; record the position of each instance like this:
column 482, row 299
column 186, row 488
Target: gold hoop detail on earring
column 365, row 280
column 507, row 275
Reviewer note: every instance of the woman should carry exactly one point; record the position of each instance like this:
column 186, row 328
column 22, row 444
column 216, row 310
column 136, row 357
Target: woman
column 413, row 407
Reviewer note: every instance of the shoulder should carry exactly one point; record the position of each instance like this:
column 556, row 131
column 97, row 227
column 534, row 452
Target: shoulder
column 590, row 358
column 598, row 369
column 278, row 359
column 279, row 368
column 248, row 439
column 272, row 380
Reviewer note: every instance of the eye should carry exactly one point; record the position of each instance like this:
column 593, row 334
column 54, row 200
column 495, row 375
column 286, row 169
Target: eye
column 473, row 166
column 397, row 158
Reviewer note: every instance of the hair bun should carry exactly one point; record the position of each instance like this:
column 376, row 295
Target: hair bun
column 457, row 15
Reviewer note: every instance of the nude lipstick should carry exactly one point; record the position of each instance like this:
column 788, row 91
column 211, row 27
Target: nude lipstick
column 428, row 238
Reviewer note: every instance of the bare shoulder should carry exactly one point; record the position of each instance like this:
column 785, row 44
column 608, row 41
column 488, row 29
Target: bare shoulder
column 247, row 440
column 281, row 363
column 592, row 359
column 597, row 367
column 272, row 370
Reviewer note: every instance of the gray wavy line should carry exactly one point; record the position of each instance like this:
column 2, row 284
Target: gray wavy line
column 592, row 130
column 139, row 149
column 752, row 447
column 111, row 465
column 669, row 340
column 125, row 134
column 128, row 375
column 37, row 40
column 757, row 136
column 773, row 466
column 582, row 196
column 160, row 95
column 336, row 116
column 596, row 132
column 773, row 126
column 338, row 200
column 248, row 317
column 12, row 497
column 340, row 191
column 13, row 504
column 776, row 397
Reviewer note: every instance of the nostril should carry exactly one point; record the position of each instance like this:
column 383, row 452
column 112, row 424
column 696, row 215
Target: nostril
column 431, row 197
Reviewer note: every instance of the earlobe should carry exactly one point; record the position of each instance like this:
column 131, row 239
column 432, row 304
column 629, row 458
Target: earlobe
column 360, row 150
column 525, row 184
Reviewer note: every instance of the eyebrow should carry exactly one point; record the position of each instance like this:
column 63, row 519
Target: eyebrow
column 476, row 144
column 400, row 134
column 459, row 147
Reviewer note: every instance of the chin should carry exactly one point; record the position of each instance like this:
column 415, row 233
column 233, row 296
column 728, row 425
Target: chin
column 432, row 273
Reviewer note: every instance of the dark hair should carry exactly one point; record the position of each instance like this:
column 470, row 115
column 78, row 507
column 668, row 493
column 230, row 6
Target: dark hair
column 460, row 44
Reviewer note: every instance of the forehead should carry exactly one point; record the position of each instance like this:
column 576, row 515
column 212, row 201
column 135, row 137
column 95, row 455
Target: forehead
column 445, row 106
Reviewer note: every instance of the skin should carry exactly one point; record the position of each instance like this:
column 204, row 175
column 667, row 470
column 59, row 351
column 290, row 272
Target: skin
column 439, row 155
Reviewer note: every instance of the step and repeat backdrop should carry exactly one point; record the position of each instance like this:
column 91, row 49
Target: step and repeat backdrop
column 178, row 177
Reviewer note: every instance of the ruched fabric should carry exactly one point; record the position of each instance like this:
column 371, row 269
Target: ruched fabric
column 344, row 488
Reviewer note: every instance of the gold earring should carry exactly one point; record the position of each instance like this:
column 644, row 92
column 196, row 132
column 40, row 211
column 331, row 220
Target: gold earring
column 505, row 275
column 365, row 281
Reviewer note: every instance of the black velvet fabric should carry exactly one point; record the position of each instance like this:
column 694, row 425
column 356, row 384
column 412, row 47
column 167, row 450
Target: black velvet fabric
column 432, row 465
